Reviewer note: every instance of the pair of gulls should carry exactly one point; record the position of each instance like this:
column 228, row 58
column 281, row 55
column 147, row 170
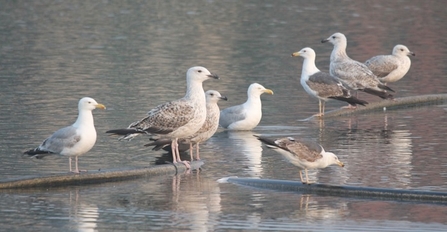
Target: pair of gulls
column 193, row 118
column 346, row 74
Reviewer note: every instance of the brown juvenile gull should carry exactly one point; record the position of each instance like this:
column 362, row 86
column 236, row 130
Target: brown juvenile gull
column 245, row 116
column 207, row 130
column 353, row 73
column 177, row 119
column 74, row 140
column 322, row 85
column 391, row 68
column 303, row 153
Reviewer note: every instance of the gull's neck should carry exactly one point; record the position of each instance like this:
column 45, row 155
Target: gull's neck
column 85, row 119
column 194, row 91
column 309, row 68
column 339, row 51
column 253, row 99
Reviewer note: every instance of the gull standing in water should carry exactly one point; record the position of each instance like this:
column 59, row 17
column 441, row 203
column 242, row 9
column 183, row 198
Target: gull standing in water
column 74, row 140
column 245, row 116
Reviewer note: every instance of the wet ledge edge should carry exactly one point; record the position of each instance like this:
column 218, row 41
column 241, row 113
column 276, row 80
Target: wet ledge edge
column 398, row 103
column 344, row 191
column 97, row 177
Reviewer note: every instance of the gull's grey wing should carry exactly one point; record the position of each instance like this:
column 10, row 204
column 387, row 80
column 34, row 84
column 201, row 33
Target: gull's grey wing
column 326, row 85
column 66, row 137
column 231, row 115
column 382, row 65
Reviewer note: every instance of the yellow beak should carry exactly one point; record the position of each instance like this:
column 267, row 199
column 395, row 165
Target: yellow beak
column 341, row 164
column 101, row 106
column 296, row 54
column 268, row 91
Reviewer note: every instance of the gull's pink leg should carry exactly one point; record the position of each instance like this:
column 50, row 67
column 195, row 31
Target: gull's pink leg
column 197, row 151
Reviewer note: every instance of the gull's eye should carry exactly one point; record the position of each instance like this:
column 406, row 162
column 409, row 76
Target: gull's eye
column 199, row 71
column 402, row 49
column 333, row 37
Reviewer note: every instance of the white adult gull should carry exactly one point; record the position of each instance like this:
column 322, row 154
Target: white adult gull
column 177, row 119
column 353, row 73
column 245, row 116
column 322, row 85
column 302, row 153
column 391, row 68
column 207, row 130
column 74, row 140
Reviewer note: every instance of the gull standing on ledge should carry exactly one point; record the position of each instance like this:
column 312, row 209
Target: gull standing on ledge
column 207, row 130
column 248, row 115
column 74, row 140
column 322, row 85
column 391, row 68
column 353, row 73
column 177, row 119
column 303, row 154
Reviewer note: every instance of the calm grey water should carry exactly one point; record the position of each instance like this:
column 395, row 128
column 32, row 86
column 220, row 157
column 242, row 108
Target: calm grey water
column 133, row 55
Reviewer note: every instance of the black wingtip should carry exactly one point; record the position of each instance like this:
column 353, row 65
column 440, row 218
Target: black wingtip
column 266, row 140
column 381, row 94
column 122, row 131
column 351, row 100
column 385, row 87
column 36, row 153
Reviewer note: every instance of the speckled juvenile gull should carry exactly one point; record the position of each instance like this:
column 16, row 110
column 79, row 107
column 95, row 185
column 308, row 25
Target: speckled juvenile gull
column 391, row 68
column 207, row 130
column 303, row 153
column 74, row 140
column 248, row 115
column 322, row 85
column 177, row 119
column 353, row 73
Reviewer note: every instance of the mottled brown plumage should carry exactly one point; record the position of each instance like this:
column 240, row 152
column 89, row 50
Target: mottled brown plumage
column 177, row 119
column 353, row 73
column 302, row 153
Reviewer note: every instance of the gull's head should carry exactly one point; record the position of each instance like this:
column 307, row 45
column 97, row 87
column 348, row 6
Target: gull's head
column 200, row 74
column 336, row 39
column 88, row 103
column 256, row 89
column 306, row 53
column 212, row 96
column 402, row 50
column 333, row 159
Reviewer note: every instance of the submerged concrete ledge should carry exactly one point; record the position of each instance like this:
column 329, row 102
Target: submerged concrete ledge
column 96, row 177
column 398, row 103
column 344, row 191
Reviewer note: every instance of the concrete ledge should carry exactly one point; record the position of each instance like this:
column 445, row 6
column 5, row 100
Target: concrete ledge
column 96, row 177
column 398, row 103
column 344, row 191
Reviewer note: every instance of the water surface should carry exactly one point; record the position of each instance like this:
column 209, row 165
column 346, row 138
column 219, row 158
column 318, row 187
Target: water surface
column 132, row 56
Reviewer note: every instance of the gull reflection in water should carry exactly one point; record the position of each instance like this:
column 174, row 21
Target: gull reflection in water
column 377, row 150
column 199, row 199
column 246, row 143
column 84, row 215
